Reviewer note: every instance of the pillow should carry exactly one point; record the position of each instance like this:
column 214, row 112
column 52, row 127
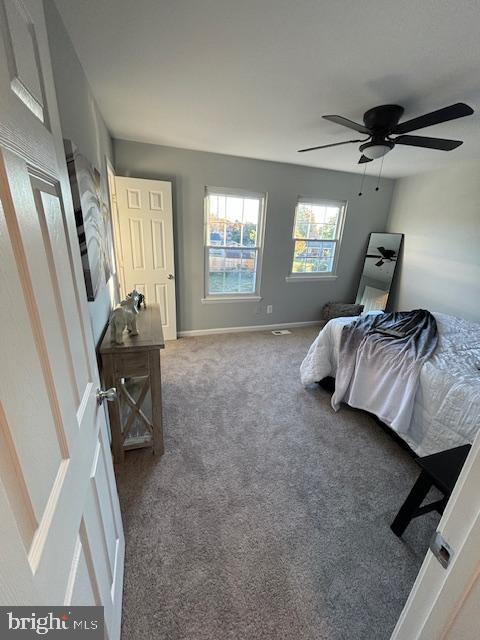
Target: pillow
column 339, row 310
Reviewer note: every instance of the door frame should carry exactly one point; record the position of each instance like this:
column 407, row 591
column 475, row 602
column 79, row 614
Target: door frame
column 117, row 240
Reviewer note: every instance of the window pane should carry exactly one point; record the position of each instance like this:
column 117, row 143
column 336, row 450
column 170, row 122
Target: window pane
column 318, row 213
column 216, row 233
column 213, row 207
column 316, row 222
column 231, row 270
column 314, row 231
column 249, row 234
column 313, row 213
column 232, row 221
column 234, row 209
column 234, row 234
column 313, row 257
column 221, row 206
column 251, row 210
column 331, row 219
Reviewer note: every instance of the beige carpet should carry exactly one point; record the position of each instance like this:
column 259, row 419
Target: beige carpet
column 268, row 516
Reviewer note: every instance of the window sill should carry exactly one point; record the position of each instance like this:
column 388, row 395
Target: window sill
column 216, row 299
column 306, row 278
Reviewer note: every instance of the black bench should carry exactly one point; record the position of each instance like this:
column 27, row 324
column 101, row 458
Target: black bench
column 440, row 470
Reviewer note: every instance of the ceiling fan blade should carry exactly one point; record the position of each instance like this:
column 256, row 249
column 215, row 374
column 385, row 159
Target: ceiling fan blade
column 325, row 146
column 345, row 122
column 458, row 110
column 388, row 254
column 442, row 144
column 364, row 159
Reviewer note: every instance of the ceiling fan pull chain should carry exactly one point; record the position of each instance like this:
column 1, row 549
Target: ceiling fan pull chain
column 363, row 179
column 377, row 188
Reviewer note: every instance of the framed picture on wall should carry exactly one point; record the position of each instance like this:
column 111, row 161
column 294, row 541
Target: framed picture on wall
column 92, row 218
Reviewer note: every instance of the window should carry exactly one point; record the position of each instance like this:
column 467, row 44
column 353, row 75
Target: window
column 234, row 222
column 317, row 232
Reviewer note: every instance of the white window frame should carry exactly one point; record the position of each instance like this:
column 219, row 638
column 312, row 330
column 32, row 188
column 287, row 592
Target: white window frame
column 258, row 247
column 319, row 275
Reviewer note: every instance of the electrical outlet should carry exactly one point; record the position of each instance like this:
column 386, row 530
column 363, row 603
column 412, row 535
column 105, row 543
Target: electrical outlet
column 269, row 308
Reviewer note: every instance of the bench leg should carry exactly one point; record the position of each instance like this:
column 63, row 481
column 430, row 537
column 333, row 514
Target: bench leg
column 415, row 498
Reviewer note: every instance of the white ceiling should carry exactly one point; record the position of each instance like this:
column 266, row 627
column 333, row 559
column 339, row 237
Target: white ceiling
column 253, row 77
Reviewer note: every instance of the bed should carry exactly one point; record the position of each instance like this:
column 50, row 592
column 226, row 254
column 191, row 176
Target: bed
column 446, row 408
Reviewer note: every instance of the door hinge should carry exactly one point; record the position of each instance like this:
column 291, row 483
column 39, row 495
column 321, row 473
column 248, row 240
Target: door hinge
column 440, row 548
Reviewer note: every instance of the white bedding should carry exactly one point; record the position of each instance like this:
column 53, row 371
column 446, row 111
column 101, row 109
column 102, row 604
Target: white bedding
column 446, row 411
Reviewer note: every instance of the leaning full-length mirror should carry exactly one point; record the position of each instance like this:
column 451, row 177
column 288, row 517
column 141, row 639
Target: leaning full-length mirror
column 378, row 270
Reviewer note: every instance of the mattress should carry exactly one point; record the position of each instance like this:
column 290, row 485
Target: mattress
column 447, row 402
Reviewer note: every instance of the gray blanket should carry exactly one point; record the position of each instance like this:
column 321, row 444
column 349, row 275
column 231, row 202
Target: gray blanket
column 380, row 360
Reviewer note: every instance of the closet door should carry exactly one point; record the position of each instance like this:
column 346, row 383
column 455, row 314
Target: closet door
column 146, row 244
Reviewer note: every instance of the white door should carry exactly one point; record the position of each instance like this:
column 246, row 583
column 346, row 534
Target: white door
column 112, row 196
column 146, row 244
column 61, row 538
column 444, row 604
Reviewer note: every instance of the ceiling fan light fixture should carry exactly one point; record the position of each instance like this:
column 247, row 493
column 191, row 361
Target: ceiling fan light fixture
column 374, row 150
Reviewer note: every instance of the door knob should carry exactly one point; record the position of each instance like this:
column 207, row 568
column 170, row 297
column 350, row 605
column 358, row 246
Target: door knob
column 171, row 276
column 110, row 395
column 440, row 548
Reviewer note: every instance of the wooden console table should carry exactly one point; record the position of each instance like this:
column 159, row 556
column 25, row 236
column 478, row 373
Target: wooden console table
column 133, row 368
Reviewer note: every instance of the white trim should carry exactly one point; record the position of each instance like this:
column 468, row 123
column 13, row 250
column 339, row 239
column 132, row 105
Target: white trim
column 226, row 191
column 258, row 327
column 115, row 221
column 319, row 201
column 230, row 298
column 313, row 278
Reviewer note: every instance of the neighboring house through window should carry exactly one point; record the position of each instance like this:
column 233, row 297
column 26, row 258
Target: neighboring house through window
column 317, row 233
column 234, row 224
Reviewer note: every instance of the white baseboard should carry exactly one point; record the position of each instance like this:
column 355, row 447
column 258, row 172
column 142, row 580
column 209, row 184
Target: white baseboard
column 257, row 327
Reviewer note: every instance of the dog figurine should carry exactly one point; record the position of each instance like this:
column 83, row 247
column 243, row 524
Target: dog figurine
column 124, row 315
column 139, row 299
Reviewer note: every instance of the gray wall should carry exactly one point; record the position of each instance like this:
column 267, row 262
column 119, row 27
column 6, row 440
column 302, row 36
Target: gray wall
column 191, row 171
column 439, row 213
column 82, row 123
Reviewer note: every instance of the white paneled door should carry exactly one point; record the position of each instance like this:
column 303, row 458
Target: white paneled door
column 444, row 602
column 146, row 258
column 61, row 538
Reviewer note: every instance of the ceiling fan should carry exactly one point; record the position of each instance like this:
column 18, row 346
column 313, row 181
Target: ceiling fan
column 388, row 255
column 380, row 123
